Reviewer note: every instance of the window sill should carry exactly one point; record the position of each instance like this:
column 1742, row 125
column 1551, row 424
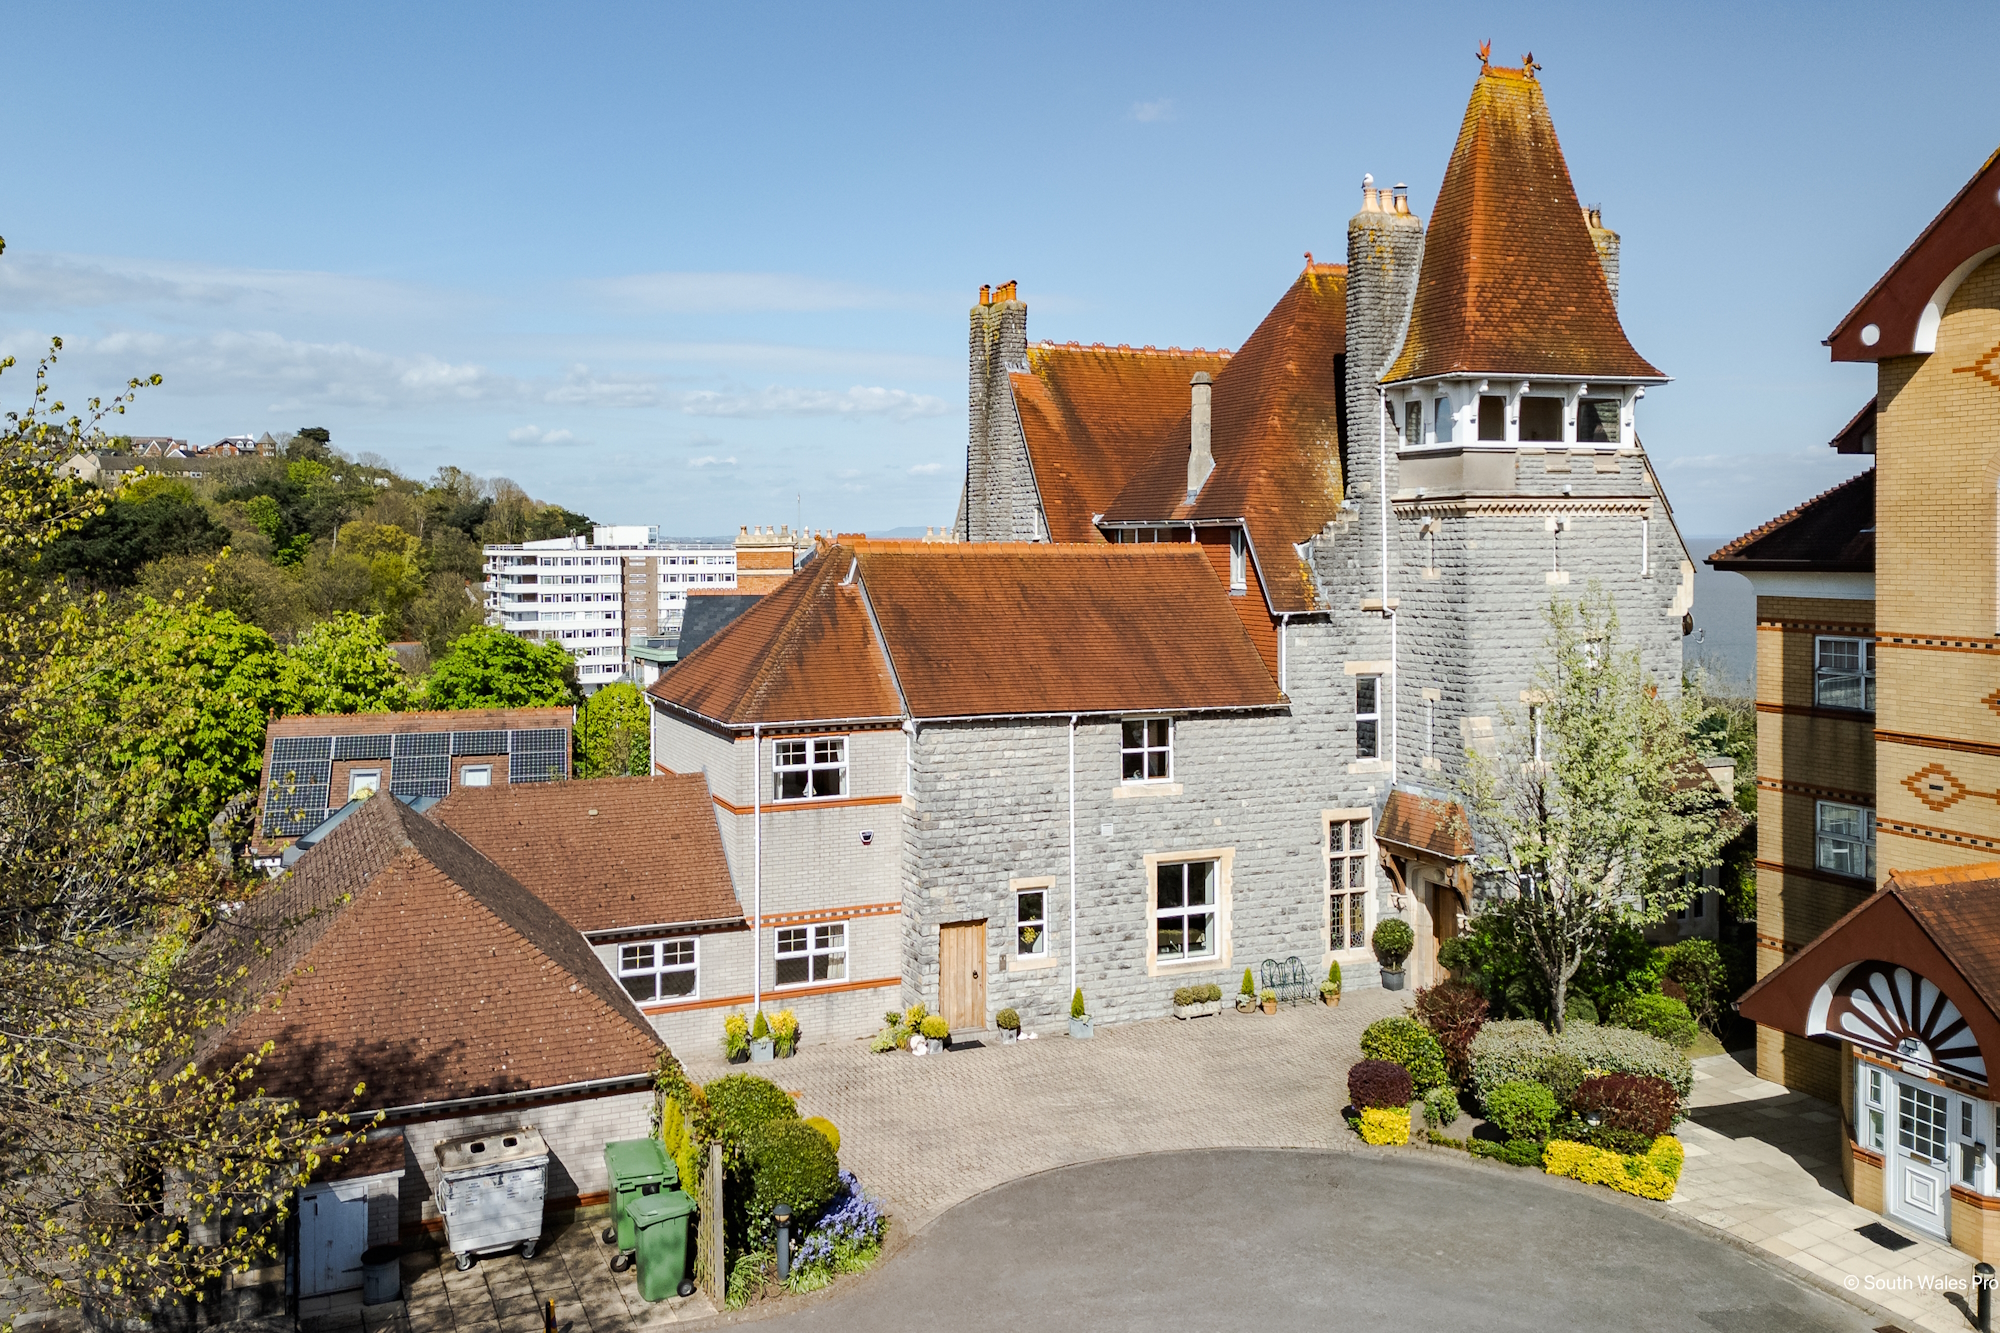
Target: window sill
column 1031, row 962
column 1211, row 963
column 1134, row 790
column 1369, row 766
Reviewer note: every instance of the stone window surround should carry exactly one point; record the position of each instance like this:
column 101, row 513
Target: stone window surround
column 1225, row 859
column 1329, row 954
column 1019, row 962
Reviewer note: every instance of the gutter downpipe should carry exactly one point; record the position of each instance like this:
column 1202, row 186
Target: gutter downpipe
column 1388, row 613
column 1072, row 854
column 757, row 871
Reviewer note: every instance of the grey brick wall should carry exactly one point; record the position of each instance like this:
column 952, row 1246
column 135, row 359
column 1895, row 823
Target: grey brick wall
column 1001, row 502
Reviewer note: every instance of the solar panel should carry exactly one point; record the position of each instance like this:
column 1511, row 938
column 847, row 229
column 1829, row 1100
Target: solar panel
column 422, row 765
column 538, row 755
column 361, row 747
column 479, row 742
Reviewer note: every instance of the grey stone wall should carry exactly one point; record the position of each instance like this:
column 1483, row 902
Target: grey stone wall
column 1001, row 502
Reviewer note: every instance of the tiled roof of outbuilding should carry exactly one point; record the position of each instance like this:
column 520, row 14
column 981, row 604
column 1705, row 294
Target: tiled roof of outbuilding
column 607, row 853
column 457, row 719
column 404, row 960
column 1832, row 532
column 1093, row 416
column 1426, row 824
column 1511, row 283
column 1275, row 426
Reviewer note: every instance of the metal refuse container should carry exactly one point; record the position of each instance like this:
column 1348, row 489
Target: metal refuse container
column 634, row 1167
column 381, row 1274
column 489, row 1192
column 661, row 1223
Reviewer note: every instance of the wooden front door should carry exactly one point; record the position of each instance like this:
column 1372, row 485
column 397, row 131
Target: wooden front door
column 962, row 975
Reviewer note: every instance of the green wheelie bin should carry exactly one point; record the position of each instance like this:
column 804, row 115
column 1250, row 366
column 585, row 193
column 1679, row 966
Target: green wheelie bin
column 635, row 1167
column 662, row 1222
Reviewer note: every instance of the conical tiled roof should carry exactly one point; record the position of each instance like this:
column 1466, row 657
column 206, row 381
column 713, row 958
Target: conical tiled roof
column 1511, row 283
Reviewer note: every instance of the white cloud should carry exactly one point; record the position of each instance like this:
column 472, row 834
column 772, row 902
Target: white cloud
column 926, row 469
column 536, row 435
column 736, row 293
column 1147, row 113
column 53, row 281
column 778, row 401
column 710, row 460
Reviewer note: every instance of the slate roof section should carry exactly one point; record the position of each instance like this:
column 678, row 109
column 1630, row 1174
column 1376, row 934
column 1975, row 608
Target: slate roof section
column 609, row 854
column 402, row 959
column 1276, row 417
column 987, row 629
column 1511, row 283
column 1834, row 532
column 1425, row 824
column 457, row 719
column 1093, row 416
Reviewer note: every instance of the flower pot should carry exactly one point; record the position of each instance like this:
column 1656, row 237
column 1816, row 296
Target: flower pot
column 1392, row 978
column 936, row 1044
column 1270, row 1006
column 762, row 1050
column 1008, row 1036
column 740, row 1058
column 1245, row 1005
column 1079, row 1027
column 1330, row 999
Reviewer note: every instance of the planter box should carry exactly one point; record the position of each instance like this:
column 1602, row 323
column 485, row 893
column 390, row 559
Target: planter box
column 761, row 1051
column 1392, row 979
column 1008, row 1036
column 936, row 1044
column 1330, row 1001
column 1079, row 1027
column 1202, row 1010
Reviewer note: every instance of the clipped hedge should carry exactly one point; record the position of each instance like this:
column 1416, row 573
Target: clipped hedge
column 826, row 1128
column 1635, row 1103
column 1651, row 1175
column 740, row 1103
column 1409, row 1044
column 1522, row 1110
column 1516, row 1050
column 1385, row 1124
column 789, row 1162
column 1660, row 1015
column 1379, row 1084
column 1202, row 994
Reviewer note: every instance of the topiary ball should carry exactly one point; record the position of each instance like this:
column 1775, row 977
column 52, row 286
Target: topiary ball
column 742, row 1102
column 790, row 1162
column 825, row 1127
column 1378, row 1084
column 1409, row 1044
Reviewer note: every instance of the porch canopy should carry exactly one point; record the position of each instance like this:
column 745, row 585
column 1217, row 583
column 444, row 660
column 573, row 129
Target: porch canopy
column 1912, row 974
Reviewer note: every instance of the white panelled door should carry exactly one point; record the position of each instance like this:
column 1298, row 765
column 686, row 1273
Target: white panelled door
column 1919, row 1177
column 332, row 1234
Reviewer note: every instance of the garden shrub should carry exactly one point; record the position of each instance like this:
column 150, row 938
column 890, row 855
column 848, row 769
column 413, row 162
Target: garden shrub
column 789, row 1162
column 1577, row 1130
column 1562, row 1074
column 1248, row 987
column 1440, row 1107
column 1453, row 1011
column 935, row 1028
column 735, row 1036
column 1651, row 1175
column 761, row 1029
column 1673, row 990
column 1579, row 1009
column 1514, row 1152
column 1333, row 974
column 1522, row 1110
column 826, row 1129
column 1392, row 941
column 1637, row 1103
column 740, row 1103
column 1514, row 1050
column 1622, row 1051
column 1210, row 992
column 847, row 1240
column 1076, row 1009
column 1697, row 968
column 1010, row 1019
column 1660, row 1015
column 1378, row 1084
column 1411, row 1045
column 1184, row 995
column 1385, row 1124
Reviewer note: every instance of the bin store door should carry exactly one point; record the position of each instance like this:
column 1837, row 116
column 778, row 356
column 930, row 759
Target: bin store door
column 332, row 1234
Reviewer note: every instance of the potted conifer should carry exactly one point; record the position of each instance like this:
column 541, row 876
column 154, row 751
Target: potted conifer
column 1329, row 990
column 762, row 1047
column 1079, row 1019
column 1246, row 997
column 1393, row 939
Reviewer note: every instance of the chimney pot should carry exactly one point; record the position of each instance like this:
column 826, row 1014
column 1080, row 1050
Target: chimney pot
column 1369, row 203
column 1402, row 199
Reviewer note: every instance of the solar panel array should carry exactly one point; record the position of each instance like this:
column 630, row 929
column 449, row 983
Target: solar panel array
column 298, row 790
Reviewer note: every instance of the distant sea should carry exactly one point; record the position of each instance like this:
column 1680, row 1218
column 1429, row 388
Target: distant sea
column 1725, row 624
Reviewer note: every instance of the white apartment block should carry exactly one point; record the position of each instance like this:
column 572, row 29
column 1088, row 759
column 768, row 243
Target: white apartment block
column 600, row 596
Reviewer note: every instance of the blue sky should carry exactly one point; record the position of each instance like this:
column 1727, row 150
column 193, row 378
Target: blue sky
column 681, row 265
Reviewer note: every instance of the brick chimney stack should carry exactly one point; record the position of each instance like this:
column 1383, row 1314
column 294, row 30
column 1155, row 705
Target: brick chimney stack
column 1385, row 248
column 1201, row 458
column 1000, row 503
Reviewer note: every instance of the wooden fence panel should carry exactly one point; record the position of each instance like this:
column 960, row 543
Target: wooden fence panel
column 710, row 1268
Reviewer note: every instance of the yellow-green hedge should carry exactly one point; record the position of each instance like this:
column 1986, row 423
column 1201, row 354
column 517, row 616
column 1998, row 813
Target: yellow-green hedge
column 1385, row 1124
column 1650, row 1175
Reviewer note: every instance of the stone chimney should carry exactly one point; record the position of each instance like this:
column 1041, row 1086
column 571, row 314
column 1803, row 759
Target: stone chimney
column 1201, row 458
column 1606, row 242
column 1000, row 501
column 1385, row 249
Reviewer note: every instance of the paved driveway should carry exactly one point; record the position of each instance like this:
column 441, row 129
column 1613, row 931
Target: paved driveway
column 928, row 1132
column 1364, row 1240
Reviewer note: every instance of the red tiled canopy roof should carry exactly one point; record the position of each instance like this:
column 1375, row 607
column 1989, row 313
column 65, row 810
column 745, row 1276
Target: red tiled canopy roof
column 1093, row 416
column 1511, row 283
column 1832, row 532
column 1275, row 431
column 1425, row 824
column 610, row 854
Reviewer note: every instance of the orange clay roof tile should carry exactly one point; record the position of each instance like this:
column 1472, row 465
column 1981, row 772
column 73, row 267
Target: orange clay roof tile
column 1834, row 531
column 1511, row 283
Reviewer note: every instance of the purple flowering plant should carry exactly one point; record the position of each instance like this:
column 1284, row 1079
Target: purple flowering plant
column 845, row 1240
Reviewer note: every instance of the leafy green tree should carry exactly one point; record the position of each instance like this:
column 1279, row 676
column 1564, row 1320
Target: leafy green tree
column 344, row 665
column 614, row 733
column 149, row 518
column 490, row 668
column 312, row 444
column 1593, row 812
column 550, row 521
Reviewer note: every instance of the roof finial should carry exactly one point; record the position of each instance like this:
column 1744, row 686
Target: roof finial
column 1485, row 55
column 1309, row 261
column 1528, row 65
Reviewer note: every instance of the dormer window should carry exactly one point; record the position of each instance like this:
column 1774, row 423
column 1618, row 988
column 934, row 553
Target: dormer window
column 1492, row 418
column 1541, row 420
column 1597, row 421
column 1239, row 560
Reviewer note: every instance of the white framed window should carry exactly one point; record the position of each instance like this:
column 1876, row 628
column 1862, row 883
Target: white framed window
column 1031, row 923
column 1844, row 673
column 1441, row 420
column 1645, row 547
column 1368, row 717
column 1239, row 560
column 1970, row 1150
column 1184, row 898
column 1349, row 882
column 659, row 969
column 805, row 769
column 361, row 780
column 1430, row 728
column 1148, row 745
column 1844, row 839
column 1920, row 1122
column 1535, row 732
column 806, row 954
column 1874, row 1110
column 476, row 775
